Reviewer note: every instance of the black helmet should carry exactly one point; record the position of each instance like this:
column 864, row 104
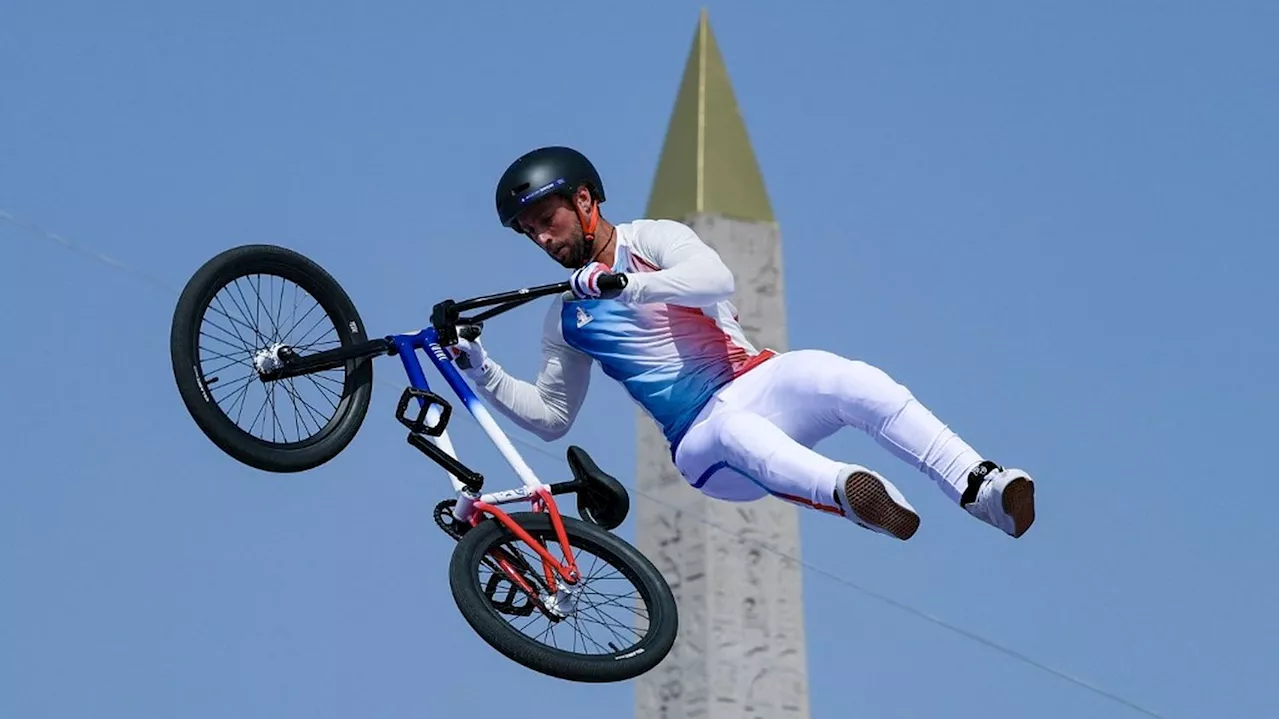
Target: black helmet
column 540, row 173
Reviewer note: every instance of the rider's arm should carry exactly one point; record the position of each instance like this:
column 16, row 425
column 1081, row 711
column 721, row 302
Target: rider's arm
column 686, row 270
column 547, row 406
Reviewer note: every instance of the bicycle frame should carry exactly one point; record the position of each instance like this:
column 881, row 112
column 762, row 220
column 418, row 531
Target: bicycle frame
column 432, row 439
column 472, row 506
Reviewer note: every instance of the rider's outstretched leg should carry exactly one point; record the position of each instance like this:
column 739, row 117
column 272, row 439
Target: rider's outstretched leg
column 806, row 395
column 863, row 396
column 739, row 455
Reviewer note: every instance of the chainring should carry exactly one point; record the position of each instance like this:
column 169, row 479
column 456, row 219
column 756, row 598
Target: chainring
column 451, row 525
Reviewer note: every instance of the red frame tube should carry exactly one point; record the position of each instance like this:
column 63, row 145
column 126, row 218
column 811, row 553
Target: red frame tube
column 550, row 565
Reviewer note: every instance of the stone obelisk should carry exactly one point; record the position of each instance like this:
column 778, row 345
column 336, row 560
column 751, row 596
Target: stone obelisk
column 741, row 649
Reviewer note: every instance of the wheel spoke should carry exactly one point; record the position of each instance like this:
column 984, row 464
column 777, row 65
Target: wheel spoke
column 240, row 398
column 280, row 304
column 218, row 355
column 312, row 412
column 235, row 323
column 320, row 319
column 302, row 319
column 326, row 392
column 243, row 306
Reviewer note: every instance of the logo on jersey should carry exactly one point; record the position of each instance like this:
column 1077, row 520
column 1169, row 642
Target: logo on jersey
column 583, row 318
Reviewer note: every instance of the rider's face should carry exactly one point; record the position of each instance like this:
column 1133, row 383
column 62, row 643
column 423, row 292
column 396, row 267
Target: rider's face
column 553, row 225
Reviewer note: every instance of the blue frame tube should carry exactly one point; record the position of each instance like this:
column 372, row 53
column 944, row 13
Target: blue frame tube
column 429, row 339
column 407, row 346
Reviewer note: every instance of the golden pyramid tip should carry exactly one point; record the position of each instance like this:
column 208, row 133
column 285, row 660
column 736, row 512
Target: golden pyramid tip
column 707, row 164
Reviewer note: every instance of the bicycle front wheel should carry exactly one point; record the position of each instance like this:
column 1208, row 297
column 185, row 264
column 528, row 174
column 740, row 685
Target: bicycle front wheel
column 236, row 314
column 616, row 623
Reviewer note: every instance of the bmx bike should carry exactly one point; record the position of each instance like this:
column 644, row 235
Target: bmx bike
column 240, row 311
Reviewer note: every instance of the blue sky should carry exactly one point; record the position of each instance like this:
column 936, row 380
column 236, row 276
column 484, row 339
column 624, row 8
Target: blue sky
column 1052, row 222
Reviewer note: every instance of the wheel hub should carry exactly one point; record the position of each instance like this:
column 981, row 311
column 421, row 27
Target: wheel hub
column 565, row 601
column 269, row 360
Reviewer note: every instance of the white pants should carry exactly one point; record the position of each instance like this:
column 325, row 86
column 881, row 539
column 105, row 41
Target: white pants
column 755, row 436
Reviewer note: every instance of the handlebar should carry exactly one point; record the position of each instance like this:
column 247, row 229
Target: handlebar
column 446, row 316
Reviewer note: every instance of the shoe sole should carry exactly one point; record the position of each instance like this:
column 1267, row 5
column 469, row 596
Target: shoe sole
column 1019, row 501
column 871, row 503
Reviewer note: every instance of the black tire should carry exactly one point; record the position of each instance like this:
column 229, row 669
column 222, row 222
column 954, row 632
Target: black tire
column 194, row 386
column 622, row 663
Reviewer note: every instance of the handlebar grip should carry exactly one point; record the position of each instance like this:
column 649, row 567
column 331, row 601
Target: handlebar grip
column 611, row 285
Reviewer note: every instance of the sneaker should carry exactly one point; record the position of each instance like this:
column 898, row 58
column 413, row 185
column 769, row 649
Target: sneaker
column 873, row 503
column 1003, row 498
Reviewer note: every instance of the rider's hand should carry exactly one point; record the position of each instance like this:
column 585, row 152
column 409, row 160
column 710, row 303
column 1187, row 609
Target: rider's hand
column 469, row 356
column 584, row 283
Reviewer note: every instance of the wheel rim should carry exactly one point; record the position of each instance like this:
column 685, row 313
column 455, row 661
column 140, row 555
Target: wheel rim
column 606, row 611
column 248, row 319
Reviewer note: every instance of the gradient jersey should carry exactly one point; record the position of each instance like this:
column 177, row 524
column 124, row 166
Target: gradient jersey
column 672, row 338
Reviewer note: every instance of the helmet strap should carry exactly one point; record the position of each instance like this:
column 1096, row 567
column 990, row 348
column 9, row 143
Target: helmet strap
column 589, row 222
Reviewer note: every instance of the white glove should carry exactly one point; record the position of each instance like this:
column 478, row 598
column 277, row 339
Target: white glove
column 469, row 356
column 584, row 282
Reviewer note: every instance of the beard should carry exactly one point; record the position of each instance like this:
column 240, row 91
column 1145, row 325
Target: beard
column 578, row 253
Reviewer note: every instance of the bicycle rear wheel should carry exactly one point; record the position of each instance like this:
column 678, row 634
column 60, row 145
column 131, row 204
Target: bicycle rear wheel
column 237, row 314
column 548, row 634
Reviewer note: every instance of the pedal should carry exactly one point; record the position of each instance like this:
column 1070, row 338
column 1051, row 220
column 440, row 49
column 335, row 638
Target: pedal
column 500, row 583
column 419, row 424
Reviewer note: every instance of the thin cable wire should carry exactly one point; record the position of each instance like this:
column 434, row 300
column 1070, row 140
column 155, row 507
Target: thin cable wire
column 937, row 621
column 74, row 247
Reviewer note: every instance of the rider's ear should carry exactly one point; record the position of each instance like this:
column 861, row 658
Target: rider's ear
column 583, row 198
